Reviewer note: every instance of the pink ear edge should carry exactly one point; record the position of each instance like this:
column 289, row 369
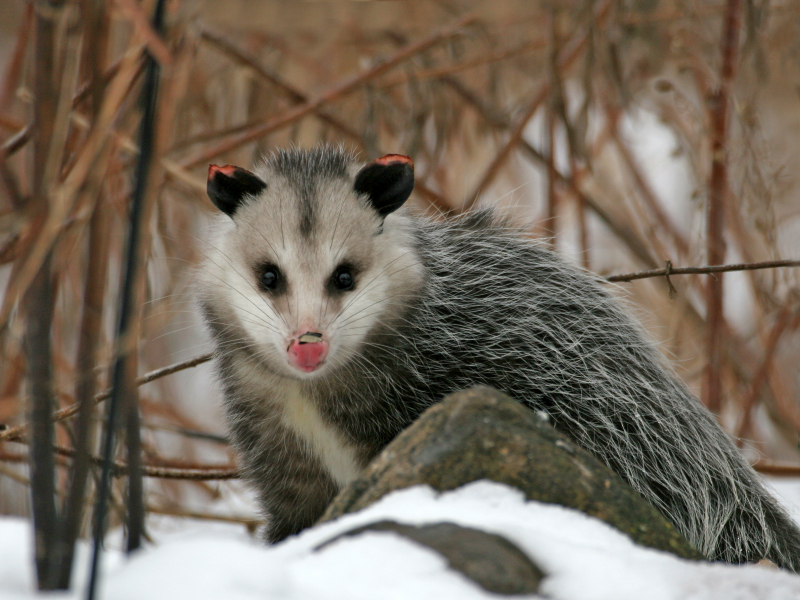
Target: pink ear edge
column 393, row 158
column 227, row 170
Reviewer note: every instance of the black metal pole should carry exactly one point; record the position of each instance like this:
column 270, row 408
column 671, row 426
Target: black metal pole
column 124, row 344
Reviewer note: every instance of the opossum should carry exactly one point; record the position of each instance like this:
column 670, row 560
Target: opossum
column 339, row 316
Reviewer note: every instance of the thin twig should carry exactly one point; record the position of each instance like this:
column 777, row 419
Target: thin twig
column 442, row 72
column 647, row 194
column 551, row 218
column 63, row 451
column 772, row 264
column 513, row 141
column 62, row 196
column 784, row 322
column 181, row 366
column 572, row 138
column 777, row 469
column 12, row 474
column 166, row 470
column 16, row 141
column 295, row 95
column 12, row 187
column 12, row 433
column 783, row 403
column 189, row 474
column 190, row 433
column 13, row 457
column 88, row 88
column 496, row 119
column 671, row 288
column 334, row 93
column 298, row 97
column 17, row 62
column 568, row 55
column 155, row 44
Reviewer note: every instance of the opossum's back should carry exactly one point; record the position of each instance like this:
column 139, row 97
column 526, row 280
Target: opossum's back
column 503, row 309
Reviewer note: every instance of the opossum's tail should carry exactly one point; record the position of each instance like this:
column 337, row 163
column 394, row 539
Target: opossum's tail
column 780, row 535
column 671, row 450
column 713, row 497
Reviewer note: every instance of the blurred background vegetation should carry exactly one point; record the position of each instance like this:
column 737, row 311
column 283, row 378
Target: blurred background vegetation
column 611, row 129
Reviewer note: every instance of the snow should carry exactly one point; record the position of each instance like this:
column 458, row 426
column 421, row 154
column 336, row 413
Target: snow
column 787, row 491
column 585, row 559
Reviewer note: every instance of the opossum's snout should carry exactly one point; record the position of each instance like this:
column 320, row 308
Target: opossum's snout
column 308, row 352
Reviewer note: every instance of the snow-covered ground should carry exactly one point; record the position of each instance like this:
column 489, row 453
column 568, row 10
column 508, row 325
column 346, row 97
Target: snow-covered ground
column 585, row 559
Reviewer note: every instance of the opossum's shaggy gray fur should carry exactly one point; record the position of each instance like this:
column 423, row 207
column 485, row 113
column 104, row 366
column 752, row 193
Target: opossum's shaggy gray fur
column 457, row 303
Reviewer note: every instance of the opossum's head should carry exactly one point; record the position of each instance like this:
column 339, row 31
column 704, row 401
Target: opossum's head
column 311, row 257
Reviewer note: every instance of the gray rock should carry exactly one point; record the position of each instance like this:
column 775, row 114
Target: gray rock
column 482, row 434
column 489, row 560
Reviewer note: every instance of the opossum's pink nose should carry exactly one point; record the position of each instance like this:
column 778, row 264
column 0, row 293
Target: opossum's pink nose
column 307, row 356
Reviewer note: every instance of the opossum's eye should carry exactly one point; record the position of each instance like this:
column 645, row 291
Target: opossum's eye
column 387, row 182
column 343, row 279
column 270, row 278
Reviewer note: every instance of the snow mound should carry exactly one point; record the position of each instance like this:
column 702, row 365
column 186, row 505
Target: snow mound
column 585, row 559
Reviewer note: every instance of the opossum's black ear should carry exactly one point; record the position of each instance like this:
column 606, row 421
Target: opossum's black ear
column 227, row 187
column 387, row 182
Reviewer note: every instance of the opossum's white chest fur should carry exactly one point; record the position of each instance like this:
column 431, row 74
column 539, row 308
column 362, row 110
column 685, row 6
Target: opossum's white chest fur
column 301, row 416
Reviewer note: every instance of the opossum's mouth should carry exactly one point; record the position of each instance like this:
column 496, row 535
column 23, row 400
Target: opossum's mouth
column 307, row 368
column 307, row 353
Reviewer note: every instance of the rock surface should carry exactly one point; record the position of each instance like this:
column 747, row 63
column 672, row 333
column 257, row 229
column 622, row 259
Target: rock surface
column 481, row 433
column 489, row 560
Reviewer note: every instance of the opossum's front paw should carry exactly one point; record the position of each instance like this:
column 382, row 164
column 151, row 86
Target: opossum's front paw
column 279, row 527
column 277, row 531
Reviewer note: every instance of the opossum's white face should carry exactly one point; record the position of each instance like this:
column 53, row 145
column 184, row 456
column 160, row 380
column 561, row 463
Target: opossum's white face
column 311, row 260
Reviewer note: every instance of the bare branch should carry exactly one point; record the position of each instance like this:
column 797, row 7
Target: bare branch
column 17, row 432
column 709, row 270
column 155, row 44
column 568, row 55
column 168, row 470
column 295, row 95
column 777, row 469
column 784, row 322
column 336, row 92
column 718, row 187
column 208, row 474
